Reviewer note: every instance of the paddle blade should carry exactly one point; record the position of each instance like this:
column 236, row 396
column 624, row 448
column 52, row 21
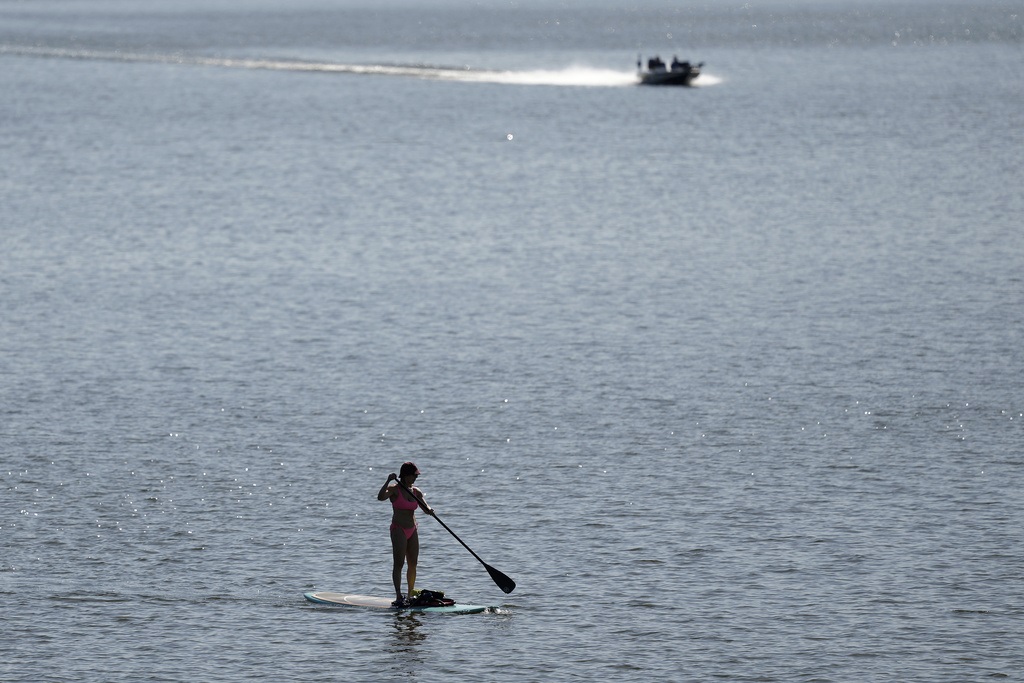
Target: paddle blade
column 504, row 583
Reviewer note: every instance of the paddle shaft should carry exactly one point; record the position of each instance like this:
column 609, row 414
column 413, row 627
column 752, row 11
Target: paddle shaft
column 504, row 582
column 434, row 515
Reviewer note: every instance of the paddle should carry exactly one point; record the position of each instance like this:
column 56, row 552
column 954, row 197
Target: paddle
column 504, row 582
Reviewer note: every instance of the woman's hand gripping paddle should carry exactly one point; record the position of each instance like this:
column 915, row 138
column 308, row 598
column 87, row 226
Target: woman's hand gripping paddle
column 504, row 582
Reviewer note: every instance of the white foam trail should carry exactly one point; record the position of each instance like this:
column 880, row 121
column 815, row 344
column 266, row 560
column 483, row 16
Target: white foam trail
column 704, row 80
column 572, row 76
column 578, row 76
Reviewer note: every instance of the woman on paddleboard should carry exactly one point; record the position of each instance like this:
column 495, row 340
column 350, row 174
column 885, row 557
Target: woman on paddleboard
column 405, row 542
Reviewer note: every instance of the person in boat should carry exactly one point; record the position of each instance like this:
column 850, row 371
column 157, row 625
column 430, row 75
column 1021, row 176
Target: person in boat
column 679, row 66
column 405, row 498
column 655, row 64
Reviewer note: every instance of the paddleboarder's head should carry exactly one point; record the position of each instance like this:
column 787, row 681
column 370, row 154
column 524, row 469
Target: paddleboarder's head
column 408, row 469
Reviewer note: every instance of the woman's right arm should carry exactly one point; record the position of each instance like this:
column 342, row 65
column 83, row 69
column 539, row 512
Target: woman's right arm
column 385, row 490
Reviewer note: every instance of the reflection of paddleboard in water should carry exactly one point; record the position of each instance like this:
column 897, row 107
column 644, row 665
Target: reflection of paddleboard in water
column 345, row 599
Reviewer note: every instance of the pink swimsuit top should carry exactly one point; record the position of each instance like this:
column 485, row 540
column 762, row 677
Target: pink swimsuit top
column 399, row 502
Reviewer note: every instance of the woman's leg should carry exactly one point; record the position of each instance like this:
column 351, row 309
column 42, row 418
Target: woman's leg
column 398, row 549
column 412, row 554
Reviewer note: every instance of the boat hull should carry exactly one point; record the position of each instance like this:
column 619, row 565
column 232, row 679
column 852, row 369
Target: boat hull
column 683, row 78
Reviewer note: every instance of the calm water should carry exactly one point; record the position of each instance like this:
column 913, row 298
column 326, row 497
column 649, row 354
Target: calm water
column 726, row 378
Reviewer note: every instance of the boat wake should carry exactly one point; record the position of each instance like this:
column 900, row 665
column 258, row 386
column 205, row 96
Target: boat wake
column 579, row 76
column 575, row 76
column 705, row 80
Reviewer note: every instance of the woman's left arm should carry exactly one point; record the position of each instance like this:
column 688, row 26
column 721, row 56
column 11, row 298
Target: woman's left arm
column 419, row 494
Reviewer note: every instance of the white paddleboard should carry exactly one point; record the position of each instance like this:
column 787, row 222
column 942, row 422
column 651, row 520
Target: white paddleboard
column 372, row 602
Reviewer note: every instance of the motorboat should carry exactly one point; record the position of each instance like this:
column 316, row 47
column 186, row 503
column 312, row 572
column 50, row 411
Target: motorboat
column 658, row 73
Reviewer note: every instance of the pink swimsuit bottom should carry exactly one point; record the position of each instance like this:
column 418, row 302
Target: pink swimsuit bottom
column 408, row 532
